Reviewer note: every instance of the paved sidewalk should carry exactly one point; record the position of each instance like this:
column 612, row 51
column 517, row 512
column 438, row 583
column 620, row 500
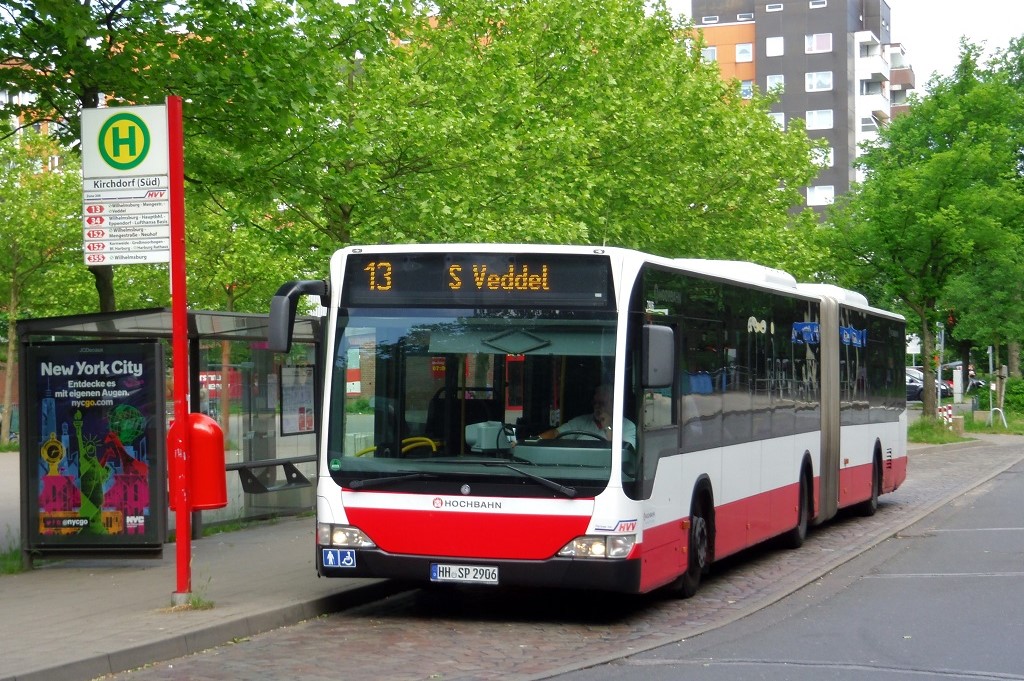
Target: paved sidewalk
column 81, row 619
column 78, row 619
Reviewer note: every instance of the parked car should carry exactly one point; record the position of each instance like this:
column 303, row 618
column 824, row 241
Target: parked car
column 915, row 385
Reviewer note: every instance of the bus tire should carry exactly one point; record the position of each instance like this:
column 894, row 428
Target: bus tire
column 868, row 508
column 699, row 551
column 794, row 538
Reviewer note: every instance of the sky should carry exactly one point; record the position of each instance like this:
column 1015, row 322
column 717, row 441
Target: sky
column 932, row 38
column 930, row 35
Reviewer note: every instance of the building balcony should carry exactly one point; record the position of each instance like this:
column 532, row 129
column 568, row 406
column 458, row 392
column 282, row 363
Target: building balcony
column 899, row 109
column 902, row 79
column 873, row 105
column 874, row 68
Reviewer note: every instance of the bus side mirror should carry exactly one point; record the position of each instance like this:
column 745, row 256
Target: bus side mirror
column 283, row 307
column 659, row 353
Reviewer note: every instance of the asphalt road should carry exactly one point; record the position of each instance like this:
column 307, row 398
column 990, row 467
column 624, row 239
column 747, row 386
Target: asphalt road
column 940, row 600
column 770, row 613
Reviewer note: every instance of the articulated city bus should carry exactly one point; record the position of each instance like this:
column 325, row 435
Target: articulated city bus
column 585, row 417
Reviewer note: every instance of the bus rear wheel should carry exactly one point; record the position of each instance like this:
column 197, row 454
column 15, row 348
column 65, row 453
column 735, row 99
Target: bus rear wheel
column 794, row 539
column 870, row 506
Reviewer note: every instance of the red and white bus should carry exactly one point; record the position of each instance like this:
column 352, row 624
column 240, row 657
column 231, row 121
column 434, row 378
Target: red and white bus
column 760, row 406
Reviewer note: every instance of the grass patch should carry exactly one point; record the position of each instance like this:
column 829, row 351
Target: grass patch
column 931, row 431
column 1014, row 424
column 10, row 561
column 196, row 600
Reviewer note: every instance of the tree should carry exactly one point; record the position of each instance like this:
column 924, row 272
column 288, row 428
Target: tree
column 542, row 121
column 252, row 74
column 942, row 200
column 40, row 225
column 242, row 281
column 556, row 121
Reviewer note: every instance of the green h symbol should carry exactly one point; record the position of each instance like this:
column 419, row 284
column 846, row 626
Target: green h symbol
column 117, row 141
column 124, row 131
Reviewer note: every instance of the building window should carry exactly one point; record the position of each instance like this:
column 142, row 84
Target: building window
column 709, row 20
column 817, row 42
column 819, row 81
column 776, row 81
column 745, row 16
column 819, row 119
column 818, row 4
column 870, row 50
column 773, row 7
column 709, row 54
column 774, row 46
column 821, row 195
column 744, row 52
column 779, row 118
column 868, row 124
column 747, row 89
column 822, row 157
column 871, row 87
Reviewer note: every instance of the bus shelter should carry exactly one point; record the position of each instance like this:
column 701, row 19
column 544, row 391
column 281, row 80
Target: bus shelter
column 97, row 398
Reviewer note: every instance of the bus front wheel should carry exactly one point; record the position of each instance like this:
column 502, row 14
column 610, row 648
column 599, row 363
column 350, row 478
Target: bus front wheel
column 699, row 551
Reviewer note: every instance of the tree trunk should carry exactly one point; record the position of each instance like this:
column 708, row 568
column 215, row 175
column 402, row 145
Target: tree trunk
column 104, row 275
column 12, row 354
column 1013, row 359
column 928, row 395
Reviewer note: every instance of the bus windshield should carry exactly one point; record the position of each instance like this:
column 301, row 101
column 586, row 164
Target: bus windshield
column 428, row 398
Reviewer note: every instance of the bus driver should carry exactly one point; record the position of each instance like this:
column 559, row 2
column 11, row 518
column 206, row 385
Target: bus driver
column 597, row 423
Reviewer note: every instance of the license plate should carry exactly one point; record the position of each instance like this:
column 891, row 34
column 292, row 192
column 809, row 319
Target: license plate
column 467, row 574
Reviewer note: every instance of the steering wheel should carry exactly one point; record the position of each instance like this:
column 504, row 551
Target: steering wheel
column 578, row 432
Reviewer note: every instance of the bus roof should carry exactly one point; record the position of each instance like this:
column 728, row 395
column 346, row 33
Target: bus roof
column 840, row 295
column 740, row 270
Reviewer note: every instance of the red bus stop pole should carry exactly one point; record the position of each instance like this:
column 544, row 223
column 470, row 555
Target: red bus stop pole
column 181, row 489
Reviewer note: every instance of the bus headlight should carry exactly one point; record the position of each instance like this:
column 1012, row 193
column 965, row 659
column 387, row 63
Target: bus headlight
column 615, row 546
column 342, row 535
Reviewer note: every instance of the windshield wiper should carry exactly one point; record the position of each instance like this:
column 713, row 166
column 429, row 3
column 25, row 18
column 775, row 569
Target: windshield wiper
column 550, row 484
column 391, row 480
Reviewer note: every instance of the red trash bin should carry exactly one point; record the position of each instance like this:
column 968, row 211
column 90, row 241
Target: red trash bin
column 206, row 462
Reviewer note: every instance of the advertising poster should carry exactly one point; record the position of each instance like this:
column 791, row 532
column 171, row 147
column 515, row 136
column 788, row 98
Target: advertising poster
column 297, row 400
column 94, row 442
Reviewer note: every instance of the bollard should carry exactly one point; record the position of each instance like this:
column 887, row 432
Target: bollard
column 958, row 425
column 946, row 414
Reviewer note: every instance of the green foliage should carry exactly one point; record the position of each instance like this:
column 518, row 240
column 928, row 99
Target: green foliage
column 936, row 224
column 359, row 406
column 1013, row 399
column 10, row 559
column 316, row 124
column 40, row 225
column 563, row 122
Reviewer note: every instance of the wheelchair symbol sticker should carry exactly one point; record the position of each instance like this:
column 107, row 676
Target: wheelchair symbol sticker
column 342, row 558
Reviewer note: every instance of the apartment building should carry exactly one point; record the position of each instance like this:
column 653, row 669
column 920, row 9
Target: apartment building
column 831, row 61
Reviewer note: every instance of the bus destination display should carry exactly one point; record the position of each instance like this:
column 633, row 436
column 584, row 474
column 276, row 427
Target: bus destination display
column 482, row 279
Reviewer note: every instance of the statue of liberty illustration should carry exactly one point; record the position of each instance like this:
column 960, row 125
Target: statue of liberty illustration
column 92, row 476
